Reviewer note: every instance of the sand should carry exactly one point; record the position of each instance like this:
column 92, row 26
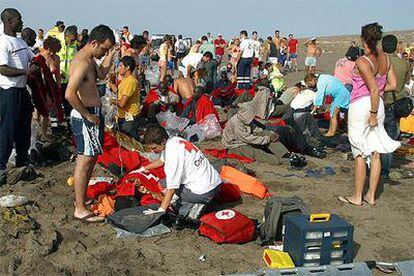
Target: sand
column 63, row 246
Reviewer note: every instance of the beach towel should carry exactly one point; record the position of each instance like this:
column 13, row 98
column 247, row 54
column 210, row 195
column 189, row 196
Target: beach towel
column 119, row 160
column 46, row 93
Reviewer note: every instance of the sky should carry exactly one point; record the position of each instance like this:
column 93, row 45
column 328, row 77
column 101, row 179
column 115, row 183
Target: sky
column 194, row 18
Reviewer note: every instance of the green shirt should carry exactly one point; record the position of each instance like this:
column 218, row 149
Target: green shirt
column 401, row 68
column 208, row 47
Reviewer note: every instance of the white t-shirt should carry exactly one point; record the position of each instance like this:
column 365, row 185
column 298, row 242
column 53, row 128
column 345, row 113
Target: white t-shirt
column 256, row 48
column 192, row 59
column 15, row 53
column 248, row 48
column 303, row 100
column 180, row 45
column 185, row 164
column 39, row 43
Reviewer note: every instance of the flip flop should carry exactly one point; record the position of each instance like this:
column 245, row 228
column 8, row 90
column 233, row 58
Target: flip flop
column 370, row 204
column 86, row 218
column 344, row 199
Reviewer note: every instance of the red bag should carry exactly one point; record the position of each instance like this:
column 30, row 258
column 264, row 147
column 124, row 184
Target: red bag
column 227, row 226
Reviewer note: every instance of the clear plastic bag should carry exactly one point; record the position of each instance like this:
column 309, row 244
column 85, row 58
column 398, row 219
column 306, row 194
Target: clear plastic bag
column 209, row 128
column 10, row 201
column 33, row 135
column 152, row 74
column 109, row 111
column 171, row 122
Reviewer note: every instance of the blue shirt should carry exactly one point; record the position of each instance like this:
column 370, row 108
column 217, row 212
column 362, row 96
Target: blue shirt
column 328, row 85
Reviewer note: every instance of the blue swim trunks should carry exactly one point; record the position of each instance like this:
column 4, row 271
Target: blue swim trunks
column 88, row 136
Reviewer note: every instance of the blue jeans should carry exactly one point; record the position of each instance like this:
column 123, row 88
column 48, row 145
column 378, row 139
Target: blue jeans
column 393, row 130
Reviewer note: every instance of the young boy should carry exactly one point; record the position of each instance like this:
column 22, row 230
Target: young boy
column 189, row 174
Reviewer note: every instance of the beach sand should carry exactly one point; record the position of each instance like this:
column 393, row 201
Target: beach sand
column 64, row 246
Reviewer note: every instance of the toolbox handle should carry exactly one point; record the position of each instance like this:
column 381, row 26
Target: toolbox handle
column 319, row 217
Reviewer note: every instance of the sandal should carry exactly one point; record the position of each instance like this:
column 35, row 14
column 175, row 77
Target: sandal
column 344, row 199
column 370, row 204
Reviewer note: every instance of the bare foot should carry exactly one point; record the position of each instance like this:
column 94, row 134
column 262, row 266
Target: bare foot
column 87, row 217
column 329, row 135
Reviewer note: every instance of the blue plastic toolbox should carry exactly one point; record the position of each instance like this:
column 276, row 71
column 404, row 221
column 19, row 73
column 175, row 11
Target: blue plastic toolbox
column 318, row 239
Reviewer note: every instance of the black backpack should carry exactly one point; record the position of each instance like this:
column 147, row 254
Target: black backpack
column 270, row 230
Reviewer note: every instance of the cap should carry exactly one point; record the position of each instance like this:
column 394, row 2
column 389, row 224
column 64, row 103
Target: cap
column 219, row 35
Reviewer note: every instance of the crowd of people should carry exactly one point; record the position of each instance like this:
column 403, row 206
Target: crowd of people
column 57, row 78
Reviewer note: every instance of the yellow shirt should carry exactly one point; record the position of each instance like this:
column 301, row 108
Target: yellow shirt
column 129, row 87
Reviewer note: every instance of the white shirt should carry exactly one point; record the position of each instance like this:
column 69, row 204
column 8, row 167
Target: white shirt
column 183, row 45
column 256, row 48
column 192, row 59
column 303, row 100
column 39, row 43
column 15, row 53
column 248, row 48
column 185, row 164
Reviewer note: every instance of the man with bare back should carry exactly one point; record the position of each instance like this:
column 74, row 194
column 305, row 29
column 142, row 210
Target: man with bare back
column 312, row 52
column 184, row 87
column 86, row 117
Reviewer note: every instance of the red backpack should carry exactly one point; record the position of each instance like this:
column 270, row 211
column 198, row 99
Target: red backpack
column 227, row 226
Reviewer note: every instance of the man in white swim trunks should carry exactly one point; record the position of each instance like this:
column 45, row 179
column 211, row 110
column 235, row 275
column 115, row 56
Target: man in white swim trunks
column 312, row 52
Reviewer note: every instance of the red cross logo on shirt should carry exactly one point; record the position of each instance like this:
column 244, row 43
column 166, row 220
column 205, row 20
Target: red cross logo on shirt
column 189, row 146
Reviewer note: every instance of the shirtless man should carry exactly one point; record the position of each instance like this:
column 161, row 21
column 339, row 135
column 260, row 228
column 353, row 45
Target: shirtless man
column 146, row 52
column 312, row 52
column 184, row 87
column 277, row 39
column 138, row 43
column 87, row 120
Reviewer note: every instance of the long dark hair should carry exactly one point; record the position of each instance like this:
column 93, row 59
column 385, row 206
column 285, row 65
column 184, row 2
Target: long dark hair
column 372, row 33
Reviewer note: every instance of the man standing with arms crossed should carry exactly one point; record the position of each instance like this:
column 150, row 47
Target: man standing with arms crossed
column 86, row 117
